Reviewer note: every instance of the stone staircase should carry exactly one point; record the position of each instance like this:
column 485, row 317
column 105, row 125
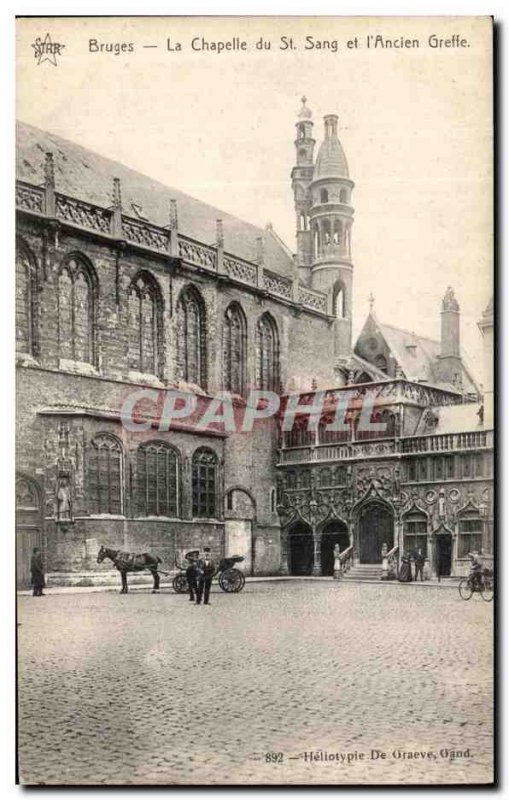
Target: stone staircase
column 363, row 572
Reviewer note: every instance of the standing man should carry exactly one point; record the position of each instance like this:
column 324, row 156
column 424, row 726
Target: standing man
column 192, row 573
column 419, row 565
column 37, row 573
column 208, row 569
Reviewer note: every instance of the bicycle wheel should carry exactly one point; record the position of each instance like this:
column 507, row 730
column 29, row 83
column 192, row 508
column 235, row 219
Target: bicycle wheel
column 488, row 590
column 465, row 589
column 180, row 584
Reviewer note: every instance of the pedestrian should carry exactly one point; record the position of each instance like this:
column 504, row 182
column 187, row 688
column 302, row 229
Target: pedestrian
column 37, row 573
column 405, row 570
column 419, row 565
column 192, row 573
column 207, row 572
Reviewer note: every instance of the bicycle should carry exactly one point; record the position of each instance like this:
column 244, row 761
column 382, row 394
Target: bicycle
column 485, row 587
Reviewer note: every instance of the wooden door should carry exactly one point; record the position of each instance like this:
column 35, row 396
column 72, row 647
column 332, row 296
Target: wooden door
column 28, row 528
column 376, row 528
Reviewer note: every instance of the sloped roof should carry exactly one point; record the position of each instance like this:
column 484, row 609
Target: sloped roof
column 88, row 176
column 331, row 160
column 418, row 356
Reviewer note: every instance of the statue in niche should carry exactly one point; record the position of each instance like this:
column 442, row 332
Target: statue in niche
column 63, row 497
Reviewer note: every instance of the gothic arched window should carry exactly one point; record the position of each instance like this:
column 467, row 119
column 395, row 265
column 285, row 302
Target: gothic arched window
column 26, row 301
column 415, row 538
column 339, row 300
column 234, row 349
column 76, row 310
column 105, row 475
column 324, row 196
column 205, row 483
column 191, row 338
column 157, row 480
column 144, row 324
column 338, row 232
column 267, row 354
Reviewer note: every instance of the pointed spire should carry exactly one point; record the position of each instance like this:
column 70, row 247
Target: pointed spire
column 49, row 171
column 117, row 196
column 219, row 233
column 173, row 215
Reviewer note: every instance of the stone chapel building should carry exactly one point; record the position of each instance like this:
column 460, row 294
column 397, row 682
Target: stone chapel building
column 124, row 283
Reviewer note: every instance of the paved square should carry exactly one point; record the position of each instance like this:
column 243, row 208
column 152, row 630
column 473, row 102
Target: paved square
column 152, row 689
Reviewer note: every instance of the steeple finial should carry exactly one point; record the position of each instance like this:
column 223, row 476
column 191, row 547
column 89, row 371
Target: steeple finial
column 371, row 301
column 304, row 112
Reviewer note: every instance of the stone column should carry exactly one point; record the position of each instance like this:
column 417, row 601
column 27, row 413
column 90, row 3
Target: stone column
column 317, row 554
column 283, row 563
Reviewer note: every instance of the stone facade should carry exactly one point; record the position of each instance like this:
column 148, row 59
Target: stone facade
column 110, row 301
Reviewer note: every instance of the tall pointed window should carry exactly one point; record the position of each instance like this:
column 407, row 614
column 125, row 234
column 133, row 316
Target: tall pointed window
column 267, row 354
column 157, row 480
column 105, row 475
column 26, row 301
column 234, row 349
column 191, row 338
column 76, row 310
column 205, row 483
column 145, row 324
column 339, row 300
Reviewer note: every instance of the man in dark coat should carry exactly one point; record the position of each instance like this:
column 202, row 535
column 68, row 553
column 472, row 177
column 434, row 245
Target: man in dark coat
column 192, row 573
column 37, row 573
column 419, row 565
column 208, row 569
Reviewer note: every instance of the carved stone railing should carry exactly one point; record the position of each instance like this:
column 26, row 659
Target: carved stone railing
column 346, row 559
column 313, row 299
column 141, row 233
column 84, row 215
column 380, row 448
column 390, row 564
column 277, row 284
column 29, row 198
column 111, row 223
column 447, row 442
column 240, row 270
column 199, row 255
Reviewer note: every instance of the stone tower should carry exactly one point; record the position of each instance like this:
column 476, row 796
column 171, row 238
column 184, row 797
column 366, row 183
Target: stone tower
column 450, row 368
column 302, row 175
column 322, row 194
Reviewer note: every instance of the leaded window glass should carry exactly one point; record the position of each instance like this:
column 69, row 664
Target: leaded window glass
column 234, row 349
column 105, row 475
column 191, row 338
column 205, row 483
column 157, row 480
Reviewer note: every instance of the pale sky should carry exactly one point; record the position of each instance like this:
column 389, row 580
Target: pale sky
column 415, row 124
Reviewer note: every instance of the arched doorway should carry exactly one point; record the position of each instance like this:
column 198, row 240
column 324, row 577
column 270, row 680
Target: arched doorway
column 300, row 550
column 443, row 545
column 375, row 528
column 28, row 527
column 334, row 532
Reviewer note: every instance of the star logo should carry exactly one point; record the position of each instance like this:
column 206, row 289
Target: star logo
column 46, row 50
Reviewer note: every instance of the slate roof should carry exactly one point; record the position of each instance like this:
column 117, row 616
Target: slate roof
column 331, row 160
column 418, row 356
column 88, row 176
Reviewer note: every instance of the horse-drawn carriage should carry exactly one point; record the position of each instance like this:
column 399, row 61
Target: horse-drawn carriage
column 229, row 578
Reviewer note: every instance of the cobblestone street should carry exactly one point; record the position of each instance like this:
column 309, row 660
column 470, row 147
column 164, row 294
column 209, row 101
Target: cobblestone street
column 149, row 688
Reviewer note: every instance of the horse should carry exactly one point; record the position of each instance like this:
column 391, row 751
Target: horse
column 131, row 562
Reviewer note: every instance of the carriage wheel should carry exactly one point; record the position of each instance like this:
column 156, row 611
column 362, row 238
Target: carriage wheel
column 232, row 580
column 465, row 589
column 488, row 590
column 180, row 584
